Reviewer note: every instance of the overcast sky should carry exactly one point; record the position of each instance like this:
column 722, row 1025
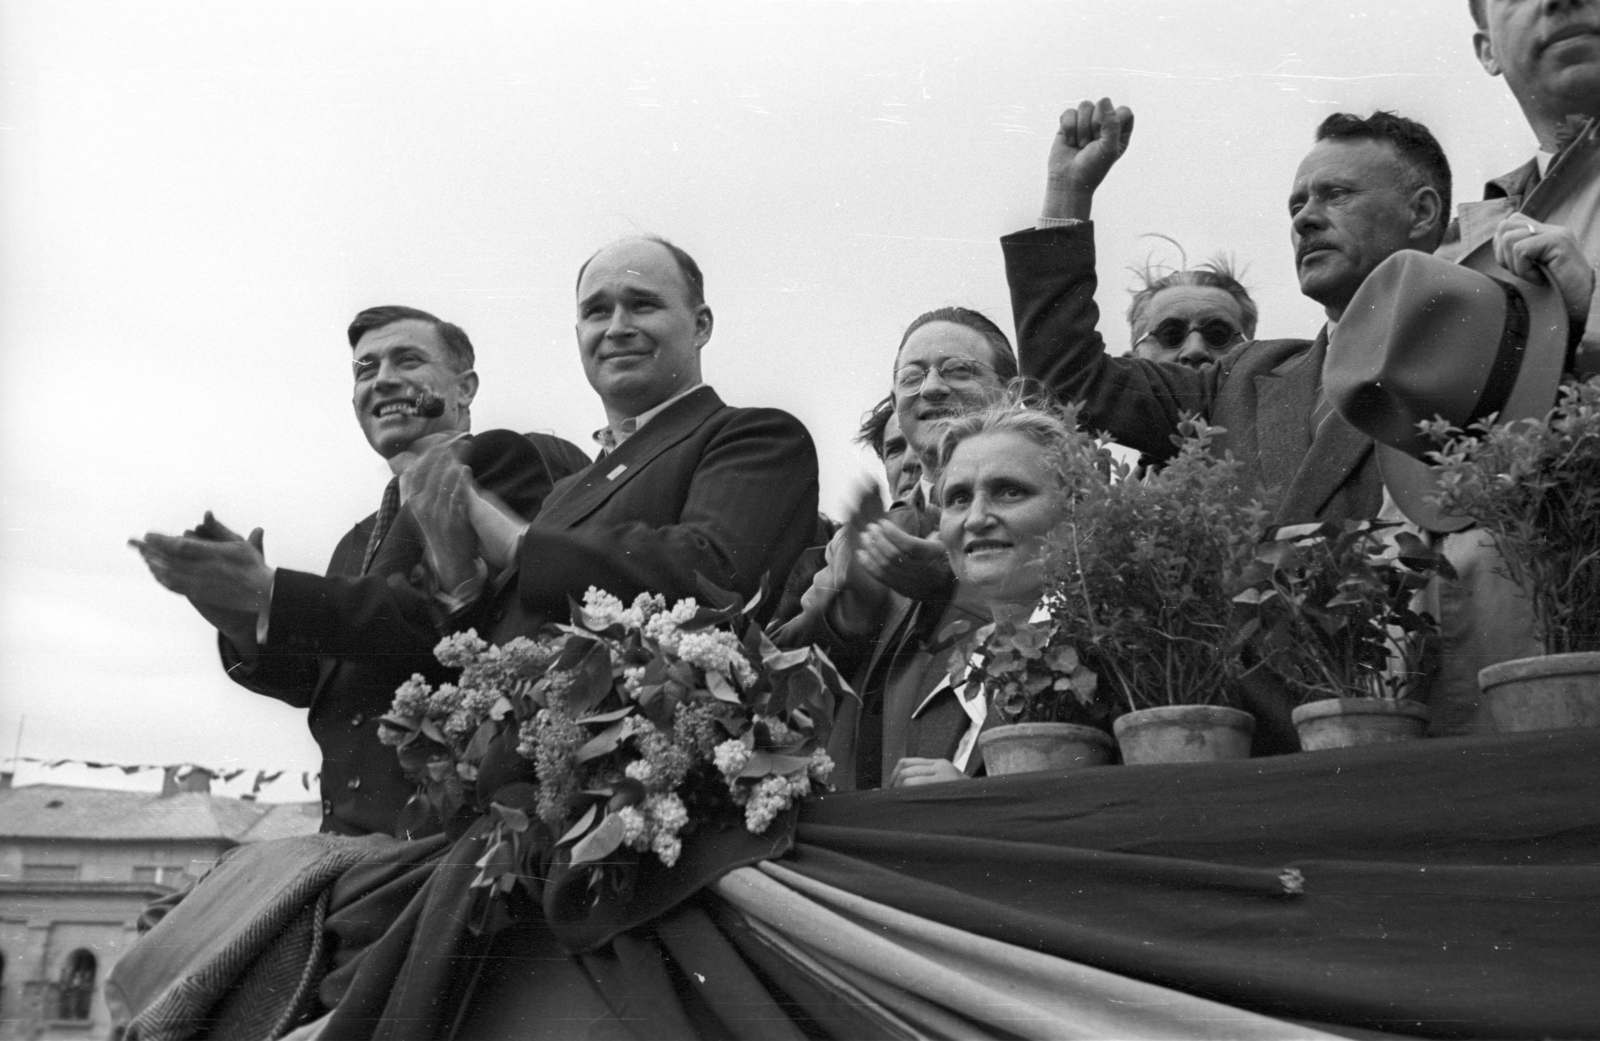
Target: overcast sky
column 196, row 197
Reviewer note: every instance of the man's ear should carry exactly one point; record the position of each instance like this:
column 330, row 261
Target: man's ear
column 1428, row 219
column 466, row 387
column 1485, row 51
column 702, row 325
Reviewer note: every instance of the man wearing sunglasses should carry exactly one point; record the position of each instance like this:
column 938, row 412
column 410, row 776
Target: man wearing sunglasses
column 1367, row 189
column 1191, row 316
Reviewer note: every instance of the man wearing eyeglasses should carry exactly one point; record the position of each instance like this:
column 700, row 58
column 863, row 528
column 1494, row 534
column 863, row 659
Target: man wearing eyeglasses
column 1191, row 316
column 1367, row 189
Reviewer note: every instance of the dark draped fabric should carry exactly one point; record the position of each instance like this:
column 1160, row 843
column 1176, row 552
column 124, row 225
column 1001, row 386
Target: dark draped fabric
column 1441, row 888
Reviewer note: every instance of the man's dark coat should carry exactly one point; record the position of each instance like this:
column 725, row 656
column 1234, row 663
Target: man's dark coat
column 340, row 644
column 702, row 490
column 1263, row 393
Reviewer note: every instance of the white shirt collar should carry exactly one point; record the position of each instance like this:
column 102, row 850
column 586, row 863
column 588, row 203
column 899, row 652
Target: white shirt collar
column 612, row 438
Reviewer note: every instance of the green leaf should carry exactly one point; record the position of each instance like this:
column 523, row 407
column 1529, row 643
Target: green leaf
column 603, row 743
column 514, row 819
column 607, row 717
column 720, row 688
column 782, row 661
column 599, row 843
column 763, row 764
column 582, row 826
column 499, row 859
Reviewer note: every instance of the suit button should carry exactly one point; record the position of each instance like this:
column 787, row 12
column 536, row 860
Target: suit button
column 357, row 719
column 327, row 807
column 353, row 783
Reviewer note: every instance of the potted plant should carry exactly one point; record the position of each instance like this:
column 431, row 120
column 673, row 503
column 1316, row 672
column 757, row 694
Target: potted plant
column 1328, row 608
column 1535, row 486
column 1053, row 713
column 1140, row 575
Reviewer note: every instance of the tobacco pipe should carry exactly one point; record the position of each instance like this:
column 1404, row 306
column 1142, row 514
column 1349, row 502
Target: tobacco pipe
column 429, row 406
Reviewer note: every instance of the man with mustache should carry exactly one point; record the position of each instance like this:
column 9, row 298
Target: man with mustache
column 338, row 645
column 1368, row 188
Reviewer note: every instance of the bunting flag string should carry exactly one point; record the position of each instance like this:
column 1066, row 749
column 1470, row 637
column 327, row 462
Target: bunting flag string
column 180, row 770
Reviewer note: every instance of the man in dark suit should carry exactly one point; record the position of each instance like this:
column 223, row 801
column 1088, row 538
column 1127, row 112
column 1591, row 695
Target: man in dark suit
column 1368, row 188
column 338, row 645
column 687, row 487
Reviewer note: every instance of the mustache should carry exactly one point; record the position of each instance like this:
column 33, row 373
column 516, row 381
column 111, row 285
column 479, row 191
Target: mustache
column 1310, row 246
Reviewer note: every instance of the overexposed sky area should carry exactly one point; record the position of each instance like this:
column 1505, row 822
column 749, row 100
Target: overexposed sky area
column 196, row 197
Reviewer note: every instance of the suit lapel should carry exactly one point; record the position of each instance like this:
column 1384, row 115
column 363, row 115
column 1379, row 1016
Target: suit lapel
column 1337, row 448
column 571, row 502
column 1285, row 398
column 586, row 491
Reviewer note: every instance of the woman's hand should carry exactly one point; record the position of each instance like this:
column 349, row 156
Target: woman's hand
column 912, row 771
column 1547, row 252
column 914, row 568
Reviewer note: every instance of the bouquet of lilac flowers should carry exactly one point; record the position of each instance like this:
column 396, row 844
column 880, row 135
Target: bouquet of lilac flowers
column 641, row 723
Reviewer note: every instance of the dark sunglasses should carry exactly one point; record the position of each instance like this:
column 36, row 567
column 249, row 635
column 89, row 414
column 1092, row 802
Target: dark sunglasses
column 1171, row 333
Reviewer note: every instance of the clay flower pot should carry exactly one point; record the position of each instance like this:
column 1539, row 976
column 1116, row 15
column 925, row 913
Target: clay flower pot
column 1020, row 748
column 1551, row 692
column 1184, row 734
column 1347, row 722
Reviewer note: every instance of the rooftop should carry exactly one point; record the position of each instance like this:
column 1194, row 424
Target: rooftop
column 57, row 811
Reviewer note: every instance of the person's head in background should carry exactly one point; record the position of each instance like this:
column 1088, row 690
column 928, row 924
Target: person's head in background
column 1190, row 316
column 880, row 431
column 1549, row 53
column 951, row 360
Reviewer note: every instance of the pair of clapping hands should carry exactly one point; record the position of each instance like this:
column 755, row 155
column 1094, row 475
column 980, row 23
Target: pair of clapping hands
column 459, row 520
column 225, row 576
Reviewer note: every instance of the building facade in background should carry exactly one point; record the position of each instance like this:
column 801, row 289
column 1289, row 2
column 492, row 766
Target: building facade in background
column 76, row 867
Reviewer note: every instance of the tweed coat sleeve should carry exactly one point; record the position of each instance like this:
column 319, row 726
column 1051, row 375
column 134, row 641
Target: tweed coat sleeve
column 1138, row 402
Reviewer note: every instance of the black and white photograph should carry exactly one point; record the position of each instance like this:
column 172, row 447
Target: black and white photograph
column 799, row 519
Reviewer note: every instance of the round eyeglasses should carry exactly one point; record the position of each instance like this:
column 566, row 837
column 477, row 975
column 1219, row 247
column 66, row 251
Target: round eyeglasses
column 955, row 372
column 1173, row 332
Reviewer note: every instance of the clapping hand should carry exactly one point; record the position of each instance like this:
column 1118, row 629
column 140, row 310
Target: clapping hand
column 459, row 520
column 1090, row 139
column 1541, row 253
column 914, row 567
column 225, row 576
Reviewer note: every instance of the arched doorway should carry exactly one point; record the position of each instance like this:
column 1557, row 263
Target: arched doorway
column 77, row 985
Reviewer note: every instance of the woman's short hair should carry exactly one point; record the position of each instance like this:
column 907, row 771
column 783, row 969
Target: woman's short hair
column 1216, row 273
column 1004, row 361
column 1022, row 411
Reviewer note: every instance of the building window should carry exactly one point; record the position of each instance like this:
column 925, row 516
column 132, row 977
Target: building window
column 77, row 985
column 173, row 875
column 49, row 872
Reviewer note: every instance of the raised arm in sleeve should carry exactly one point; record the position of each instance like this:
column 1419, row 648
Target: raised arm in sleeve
column 1138, row 402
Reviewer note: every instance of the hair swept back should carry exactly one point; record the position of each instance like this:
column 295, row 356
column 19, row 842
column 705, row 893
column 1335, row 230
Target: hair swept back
column 1022, row 410
column 1003, row 360
column 458, row 349
column 1414, row 144
column 875, row 425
